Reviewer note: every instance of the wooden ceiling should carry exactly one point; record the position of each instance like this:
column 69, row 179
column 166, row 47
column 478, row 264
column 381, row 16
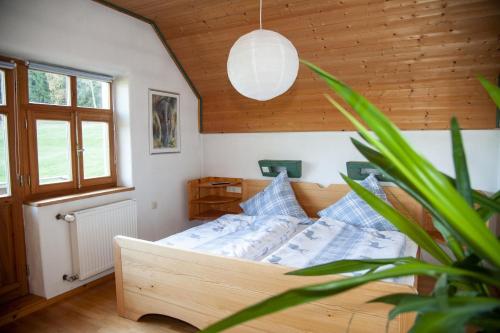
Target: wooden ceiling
column 416, row 59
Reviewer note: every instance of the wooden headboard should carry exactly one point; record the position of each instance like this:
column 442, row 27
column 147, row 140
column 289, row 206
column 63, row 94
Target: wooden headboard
column 313, row 197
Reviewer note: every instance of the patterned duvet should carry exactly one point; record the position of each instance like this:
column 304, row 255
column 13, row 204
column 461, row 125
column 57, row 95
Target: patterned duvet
column 291, row 241
column 241, row 236
column 330, row 240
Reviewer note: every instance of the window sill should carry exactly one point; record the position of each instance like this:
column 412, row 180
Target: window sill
column 78, row 196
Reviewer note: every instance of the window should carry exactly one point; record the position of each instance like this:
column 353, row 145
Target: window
column 2, row 88
column 4, row 158
column 92, row 93
column 95, row 139
column 54, row 151
column 70, row 132
column 49, row 88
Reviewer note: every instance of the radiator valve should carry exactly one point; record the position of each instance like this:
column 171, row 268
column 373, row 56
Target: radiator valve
column 70, row 278
column 66, row 217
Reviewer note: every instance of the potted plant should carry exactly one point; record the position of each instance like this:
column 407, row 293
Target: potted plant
column 467, row 280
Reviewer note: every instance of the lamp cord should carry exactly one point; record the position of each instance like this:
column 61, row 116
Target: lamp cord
column 260, row 14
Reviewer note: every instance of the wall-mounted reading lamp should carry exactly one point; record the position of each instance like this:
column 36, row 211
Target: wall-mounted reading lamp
column 272, row 168
column 361, row 170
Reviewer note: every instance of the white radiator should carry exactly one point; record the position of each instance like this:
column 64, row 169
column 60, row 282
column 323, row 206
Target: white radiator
column 92, row 233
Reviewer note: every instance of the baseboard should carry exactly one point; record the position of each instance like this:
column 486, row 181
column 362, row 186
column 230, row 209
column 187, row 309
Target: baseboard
column 31, row 303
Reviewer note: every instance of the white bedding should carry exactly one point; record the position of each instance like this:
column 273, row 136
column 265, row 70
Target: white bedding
column 329, row 240
column 241, row 236
column 293, row 242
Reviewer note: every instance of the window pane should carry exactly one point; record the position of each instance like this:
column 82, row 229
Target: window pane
column 2, row 88
column 95, row 136
column 92, row 93
column 4, row 158
column 54, row 151
column 48, row 88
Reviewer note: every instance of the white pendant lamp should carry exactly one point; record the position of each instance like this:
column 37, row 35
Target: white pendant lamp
column 262, row 64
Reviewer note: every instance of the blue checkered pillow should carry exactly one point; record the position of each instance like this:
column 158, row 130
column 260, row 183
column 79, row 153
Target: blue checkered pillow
column 277, row 198
column 353, row 210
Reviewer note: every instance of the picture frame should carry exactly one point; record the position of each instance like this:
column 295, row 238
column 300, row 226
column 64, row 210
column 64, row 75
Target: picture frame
column 164, row 122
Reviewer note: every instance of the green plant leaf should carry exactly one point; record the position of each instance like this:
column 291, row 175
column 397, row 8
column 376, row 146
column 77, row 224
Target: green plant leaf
column 460, row 162
column 454, row 318
column 427, row 304
column 481, row 199
column 473, row 263
column 486, row 211
column 469, row 262
column 397, row 178
column 488, row 322
column 450, row 237
column 343, row 266
column 311, row 293
column 441, row 286
column 409, row 228
column 433, row 186
column 492, row 90
column 492, row 202
column 488, row 205
column 406, row 303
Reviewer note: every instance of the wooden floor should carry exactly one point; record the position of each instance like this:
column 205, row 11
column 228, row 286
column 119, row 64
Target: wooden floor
column 92, row 311
column 95, row 311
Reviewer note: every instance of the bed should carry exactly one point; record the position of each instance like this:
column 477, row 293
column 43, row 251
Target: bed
column 201, row 288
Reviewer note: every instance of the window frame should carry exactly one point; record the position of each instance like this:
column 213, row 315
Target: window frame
column 8, row 169
column 93, row 116
column 70, row 95
column 7, row 110
column 33, row 116
column 110, row 108
column 3, row 86
column 75, row 115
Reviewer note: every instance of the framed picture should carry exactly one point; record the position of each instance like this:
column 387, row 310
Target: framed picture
column 164, row 122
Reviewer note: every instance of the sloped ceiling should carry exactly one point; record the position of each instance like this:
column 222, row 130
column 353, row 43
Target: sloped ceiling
column 416, row 60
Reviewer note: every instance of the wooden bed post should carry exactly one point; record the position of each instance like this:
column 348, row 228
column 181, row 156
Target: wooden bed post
column 406, row 321
column 120, row 303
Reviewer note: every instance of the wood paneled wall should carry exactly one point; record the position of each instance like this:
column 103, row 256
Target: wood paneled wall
column 417, row 60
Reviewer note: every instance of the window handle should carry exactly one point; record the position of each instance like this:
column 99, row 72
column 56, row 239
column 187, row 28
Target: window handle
column 80, row 150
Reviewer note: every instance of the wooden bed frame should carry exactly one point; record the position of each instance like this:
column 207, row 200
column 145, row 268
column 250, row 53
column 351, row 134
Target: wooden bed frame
column 201, row 288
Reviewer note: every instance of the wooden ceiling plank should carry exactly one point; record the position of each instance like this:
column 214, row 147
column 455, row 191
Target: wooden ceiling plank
column 417, row 59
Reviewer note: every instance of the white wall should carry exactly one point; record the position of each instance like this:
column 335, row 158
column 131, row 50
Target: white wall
column 324, row 154
column 88, row 36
